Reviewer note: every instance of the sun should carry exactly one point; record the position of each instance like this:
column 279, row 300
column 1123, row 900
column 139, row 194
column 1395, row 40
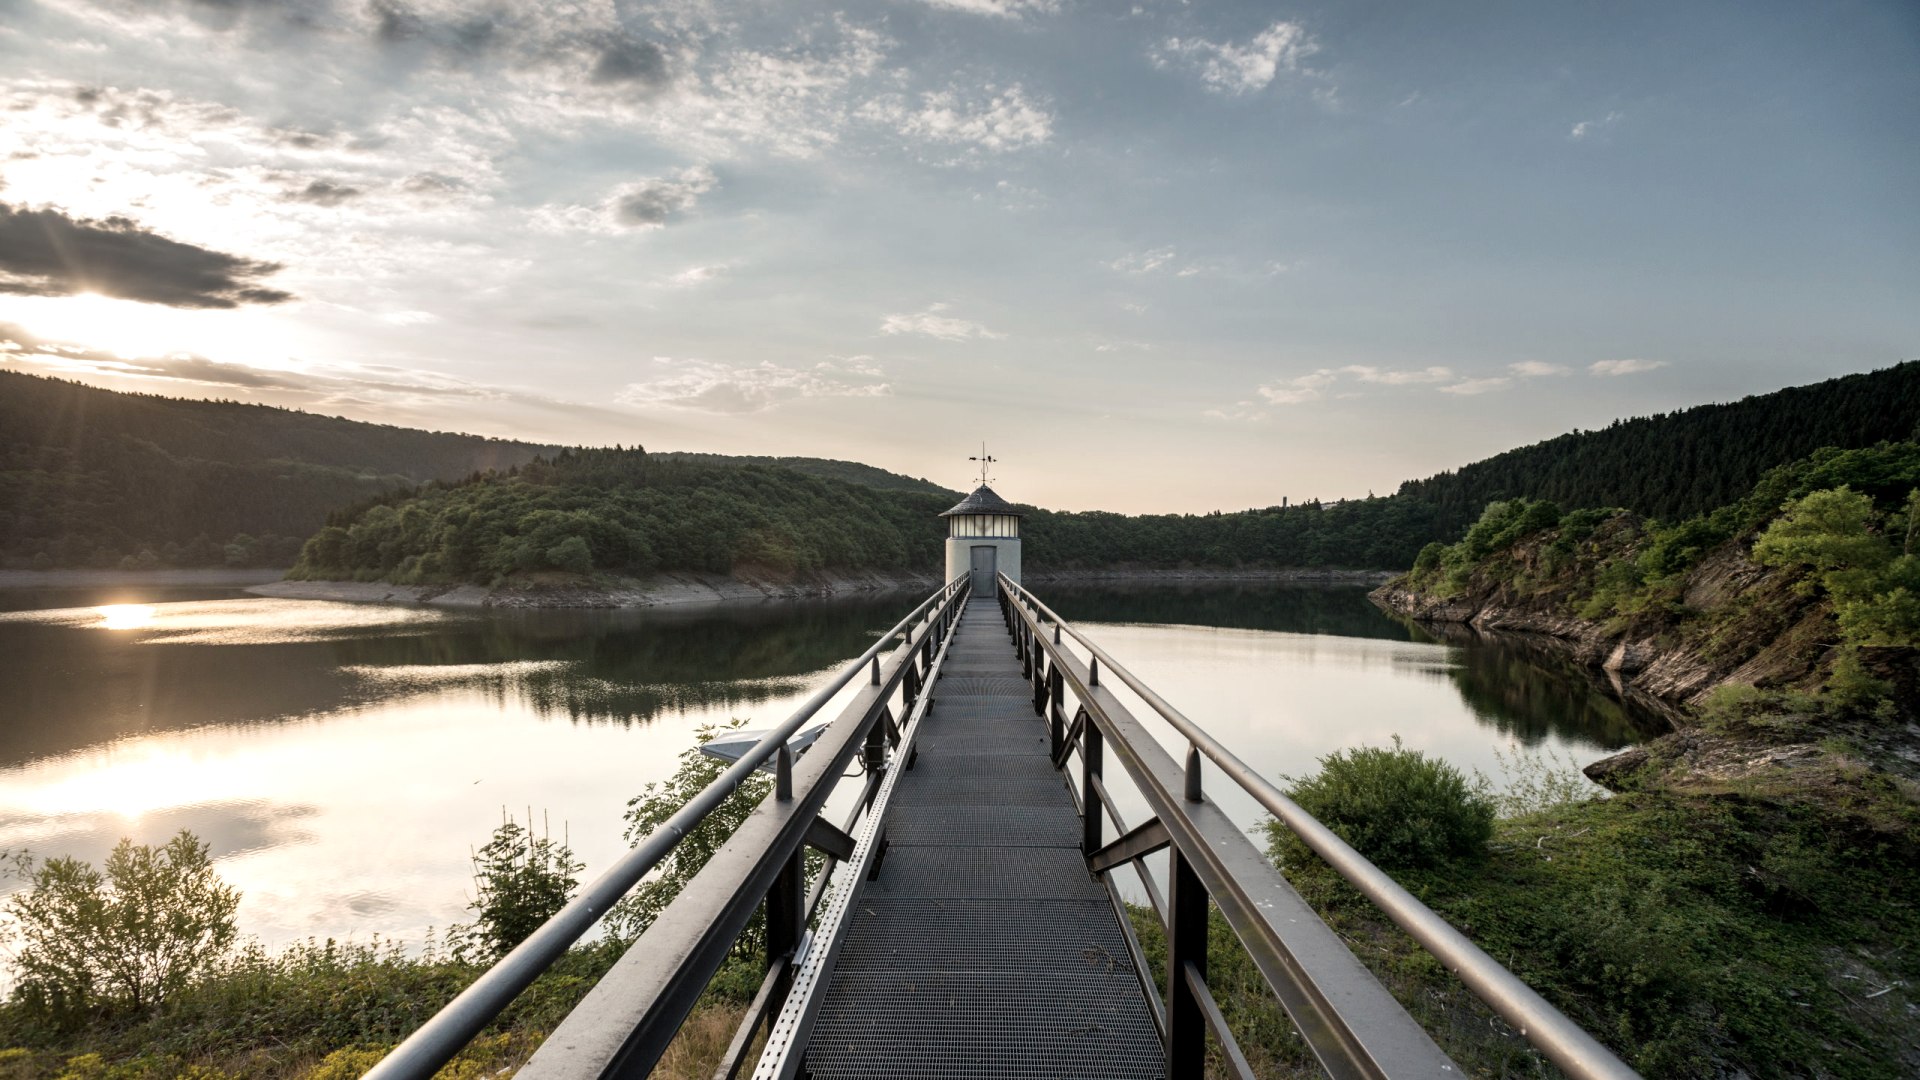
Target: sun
column 128, row 329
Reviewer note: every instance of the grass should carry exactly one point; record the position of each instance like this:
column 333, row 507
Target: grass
column 326, row 1011
column 1696, row 935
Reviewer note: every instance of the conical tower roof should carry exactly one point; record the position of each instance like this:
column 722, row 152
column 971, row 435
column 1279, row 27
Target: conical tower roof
column 983, row 501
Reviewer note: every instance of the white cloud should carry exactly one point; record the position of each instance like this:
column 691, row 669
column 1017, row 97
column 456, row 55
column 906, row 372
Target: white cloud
column 1299, row 389
column 1243, row 411
column 1142, row 262
column 930, row 323
column 994, row 121
column 1616, row 368
column 706, row 386
column 1536, row 369
column 1469, row 387
column 695, row 275
column 1366, row 373
column 1122, row 346
column 1005, row 9
column 1241, row 68
column 1588, row 128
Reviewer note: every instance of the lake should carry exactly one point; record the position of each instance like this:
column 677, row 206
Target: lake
column 343, row 760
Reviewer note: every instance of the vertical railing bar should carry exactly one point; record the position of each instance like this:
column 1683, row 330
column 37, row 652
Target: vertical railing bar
column 1217, row 1020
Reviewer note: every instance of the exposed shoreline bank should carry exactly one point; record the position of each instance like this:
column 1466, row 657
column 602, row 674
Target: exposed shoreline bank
column 691, row 588
column 210, row 577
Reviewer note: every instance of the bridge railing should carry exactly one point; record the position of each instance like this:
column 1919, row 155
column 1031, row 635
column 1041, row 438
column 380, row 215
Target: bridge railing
column 1350, row 1022
column 625, row 1022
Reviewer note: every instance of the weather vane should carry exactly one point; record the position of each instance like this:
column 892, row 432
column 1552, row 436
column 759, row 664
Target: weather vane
column 984, row 461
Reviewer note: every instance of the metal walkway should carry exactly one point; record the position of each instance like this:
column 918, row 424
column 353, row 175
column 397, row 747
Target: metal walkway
column 983, row 947
column 964, row 919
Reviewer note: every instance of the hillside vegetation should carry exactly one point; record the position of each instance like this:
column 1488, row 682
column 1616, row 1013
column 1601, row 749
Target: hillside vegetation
column 1679, row 464
column 95, row 478
column 92, row 477
column 1745, row 902
column 627, row 513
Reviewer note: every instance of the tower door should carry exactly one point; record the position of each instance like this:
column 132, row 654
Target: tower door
column 985, row 560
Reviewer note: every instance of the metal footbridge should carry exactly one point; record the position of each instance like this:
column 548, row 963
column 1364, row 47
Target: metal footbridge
column 967, row 917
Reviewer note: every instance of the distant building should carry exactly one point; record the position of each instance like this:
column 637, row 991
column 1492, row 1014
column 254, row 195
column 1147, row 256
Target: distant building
column 983, row 537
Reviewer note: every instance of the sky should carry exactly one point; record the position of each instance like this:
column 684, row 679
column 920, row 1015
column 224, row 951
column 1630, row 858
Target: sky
column 1158, row 257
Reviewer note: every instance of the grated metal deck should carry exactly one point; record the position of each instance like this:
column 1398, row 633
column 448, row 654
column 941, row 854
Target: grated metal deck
column 983, row 948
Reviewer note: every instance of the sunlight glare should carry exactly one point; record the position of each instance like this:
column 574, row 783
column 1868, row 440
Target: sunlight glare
column 129, row 329
column 125, row 616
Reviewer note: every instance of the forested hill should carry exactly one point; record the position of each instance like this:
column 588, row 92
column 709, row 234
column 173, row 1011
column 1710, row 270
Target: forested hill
column 853, row 472
column 1674, row 465
column 92, row 477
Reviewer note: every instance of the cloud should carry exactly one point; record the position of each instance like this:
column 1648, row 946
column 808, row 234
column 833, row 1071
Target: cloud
column 624, row 60
column 930, row 323
column 1366, row 373
column 1313, row 385
column 1142, row 262
column 1241, row 68
column 1299, row 389
column 996, row 121
column 695, row 275
column 647, row 204
column 1536, row 369
column 1005, row 9
column 47, row 253
column 1616, row 368
column 1470, row 387
column 1588, row 128
column 1122, row 346
column 1242, row 411
column 323, row 193
column 705, row 386
column 376, row 380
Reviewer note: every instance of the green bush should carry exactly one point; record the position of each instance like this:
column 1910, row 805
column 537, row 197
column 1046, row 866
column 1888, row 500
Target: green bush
column 126, row 938
column 1398, row 807
column 520, row 881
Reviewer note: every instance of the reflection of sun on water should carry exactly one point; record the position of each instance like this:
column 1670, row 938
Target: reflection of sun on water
column 128, row 780
column 125, row 616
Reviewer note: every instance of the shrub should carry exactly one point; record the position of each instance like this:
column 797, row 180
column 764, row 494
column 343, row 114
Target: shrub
column 659, row 801
column 520, row 881
column 1396, row 806
column 129, row 937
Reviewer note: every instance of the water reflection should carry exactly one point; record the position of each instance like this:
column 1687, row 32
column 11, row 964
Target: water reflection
column 344, row 759
column 1341, row 610
column 1511, row 683
column 248, row 661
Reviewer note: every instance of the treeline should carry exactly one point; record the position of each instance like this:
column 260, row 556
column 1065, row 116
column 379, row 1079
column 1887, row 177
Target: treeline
column 92, row 477
column 1674, row 465
column 98, row 478
column 625, row 511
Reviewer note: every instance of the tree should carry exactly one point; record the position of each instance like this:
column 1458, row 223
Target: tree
column 660, row 801
column 128, row 937
column 520, row 881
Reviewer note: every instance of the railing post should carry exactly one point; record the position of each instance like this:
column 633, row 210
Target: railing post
column 1186, row 947
column 786, row 899
column 1090, row 754
column 1056, row 710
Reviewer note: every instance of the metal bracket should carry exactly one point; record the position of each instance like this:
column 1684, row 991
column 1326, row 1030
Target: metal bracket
column 827, row 836
column 1143, row 840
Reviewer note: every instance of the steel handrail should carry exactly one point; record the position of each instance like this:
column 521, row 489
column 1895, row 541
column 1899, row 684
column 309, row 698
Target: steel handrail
column 448, row 1031
column 1568, row 1045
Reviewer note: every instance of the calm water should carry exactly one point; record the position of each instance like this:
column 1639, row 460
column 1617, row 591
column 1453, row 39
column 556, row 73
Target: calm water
column 342, row 759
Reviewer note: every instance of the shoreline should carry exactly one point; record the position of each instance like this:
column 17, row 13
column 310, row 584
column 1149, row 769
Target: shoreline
column 89, row 579
column 663, row 590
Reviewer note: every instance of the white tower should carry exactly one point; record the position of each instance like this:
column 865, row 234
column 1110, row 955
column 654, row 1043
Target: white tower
column 983, row 537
